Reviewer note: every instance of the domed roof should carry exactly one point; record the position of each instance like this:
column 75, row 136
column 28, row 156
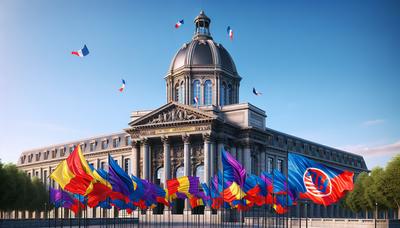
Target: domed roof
column 202, row 51
column 203, row 54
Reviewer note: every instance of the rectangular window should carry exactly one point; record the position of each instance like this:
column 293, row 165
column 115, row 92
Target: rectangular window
column 127, row 140
column 92, row 146
column 270, row 164
column 83, row 147
column 103, row 165
column 279, row 165
column 116, row 142
column 127, row 166
column 46, row 178
column 104, row 144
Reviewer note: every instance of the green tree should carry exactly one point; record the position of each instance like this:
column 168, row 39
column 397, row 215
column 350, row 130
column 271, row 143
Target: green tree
column 391, row 184
column 373, row 189
column 355, row 199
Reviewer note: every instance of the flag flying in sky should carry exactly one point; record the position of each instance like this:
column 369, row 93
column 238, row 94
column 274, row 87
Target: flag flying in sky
column 179, row 23
column 81, row 52
column 121, row 89
column 312, row 180
column 230, row 32
column 255, row 92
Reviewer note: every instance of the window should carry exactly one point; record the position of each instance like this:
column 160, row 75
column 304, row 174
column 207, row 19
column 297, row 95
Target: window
column 103, row 165
column 127, row 140
column 229, row 94
column 179, row 172
column 181, row 98
column 200, row 173
column 196, row 92
column 104, row 144
column 92, row 146
column 71, row 149
column 36, row 173
column 279, row 165
column 116, row 142
column 207, row 92
column 127, row 166
column 46, row 182
column 177, row 91
column 83, row 146
column 160, row 175
column 222, row 95
column 270, row 164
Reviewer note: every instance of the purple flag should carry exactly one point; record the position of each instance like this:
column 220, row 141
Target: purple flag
column 233, row 170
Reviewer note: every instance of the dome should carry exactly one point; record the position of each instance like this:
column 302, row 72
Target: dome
column 202, row 52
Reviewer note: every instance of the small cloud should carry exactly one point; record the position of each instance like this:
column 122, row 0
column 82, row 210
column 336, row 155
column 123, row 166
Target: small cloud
column 383, row 150
column 369, row 123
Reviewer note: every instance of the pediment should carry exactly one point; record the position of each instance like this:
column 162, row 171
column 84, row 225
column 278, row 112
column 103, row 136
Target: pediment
column 172, row 113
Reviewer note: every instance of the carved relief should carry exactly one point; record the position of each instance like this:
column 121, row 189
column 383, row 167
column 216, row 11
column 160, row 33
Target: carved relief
column 173, row 115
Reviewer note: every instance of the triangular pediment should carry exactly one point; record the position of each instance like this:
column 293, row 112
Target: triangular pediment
column 172, row 113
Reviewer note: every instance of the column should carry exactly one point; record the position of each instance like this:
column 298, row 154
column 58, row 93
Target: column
column 239, row 151
column 186, row 154
column 167, row 160
column 207, row 160
column 221, row 145
column 247, row 157
column 213, row 158
column 234, row 151
column 146, row 159
column 135, row 158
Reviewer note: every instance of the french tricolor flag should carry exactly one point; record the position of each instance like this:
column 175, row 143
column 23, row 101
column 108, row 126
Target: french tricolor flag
column 196, row 100
column 230, row 32
column 179, row 23
column 82, row 52
column 121, row 89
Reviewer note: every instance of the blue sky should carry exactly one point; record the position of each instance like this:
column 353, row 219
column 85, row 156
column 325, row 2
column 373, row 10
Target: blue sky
column 329, row 70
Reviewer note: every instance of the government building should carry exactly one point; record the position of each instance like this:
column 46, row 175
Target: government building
column 184, row 137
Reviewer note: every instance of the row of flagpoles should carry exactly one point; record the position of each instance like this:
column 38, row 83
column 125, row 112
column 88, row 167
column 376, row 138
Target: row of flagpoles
column 233, row 187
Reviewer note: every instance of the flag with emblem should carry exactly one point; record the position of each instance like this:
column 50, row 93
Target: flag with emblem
column 312, row 180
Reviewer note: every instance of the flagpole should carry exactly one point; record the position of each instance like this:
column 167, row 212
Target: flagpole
column 287, row 187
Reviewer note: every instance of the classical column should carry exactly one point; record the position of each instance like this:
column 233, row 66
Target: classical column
column 233, row 151
column 135, row 158
column 146, row 159
column 221, row 146
column 239, row 152
column 167, row 160
column 186, row 154
column 207, row 160
column 213, row 158
column 247, row 157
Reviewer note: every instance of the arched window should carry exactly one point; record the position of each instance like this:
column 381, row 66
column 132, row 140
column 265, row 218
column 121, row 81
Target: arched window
column 229, row 94
column 200, row 173
column 196, row 92
column 160, row 175
column 222, row 94
column 207, row 92
column 179, row 172
column 181, row 92
column 177, row 92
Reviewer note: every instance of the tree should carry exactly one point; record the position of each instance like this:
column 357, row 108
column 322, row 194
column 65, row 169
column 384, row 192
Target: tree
column 355, row 199
column 391, row 183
